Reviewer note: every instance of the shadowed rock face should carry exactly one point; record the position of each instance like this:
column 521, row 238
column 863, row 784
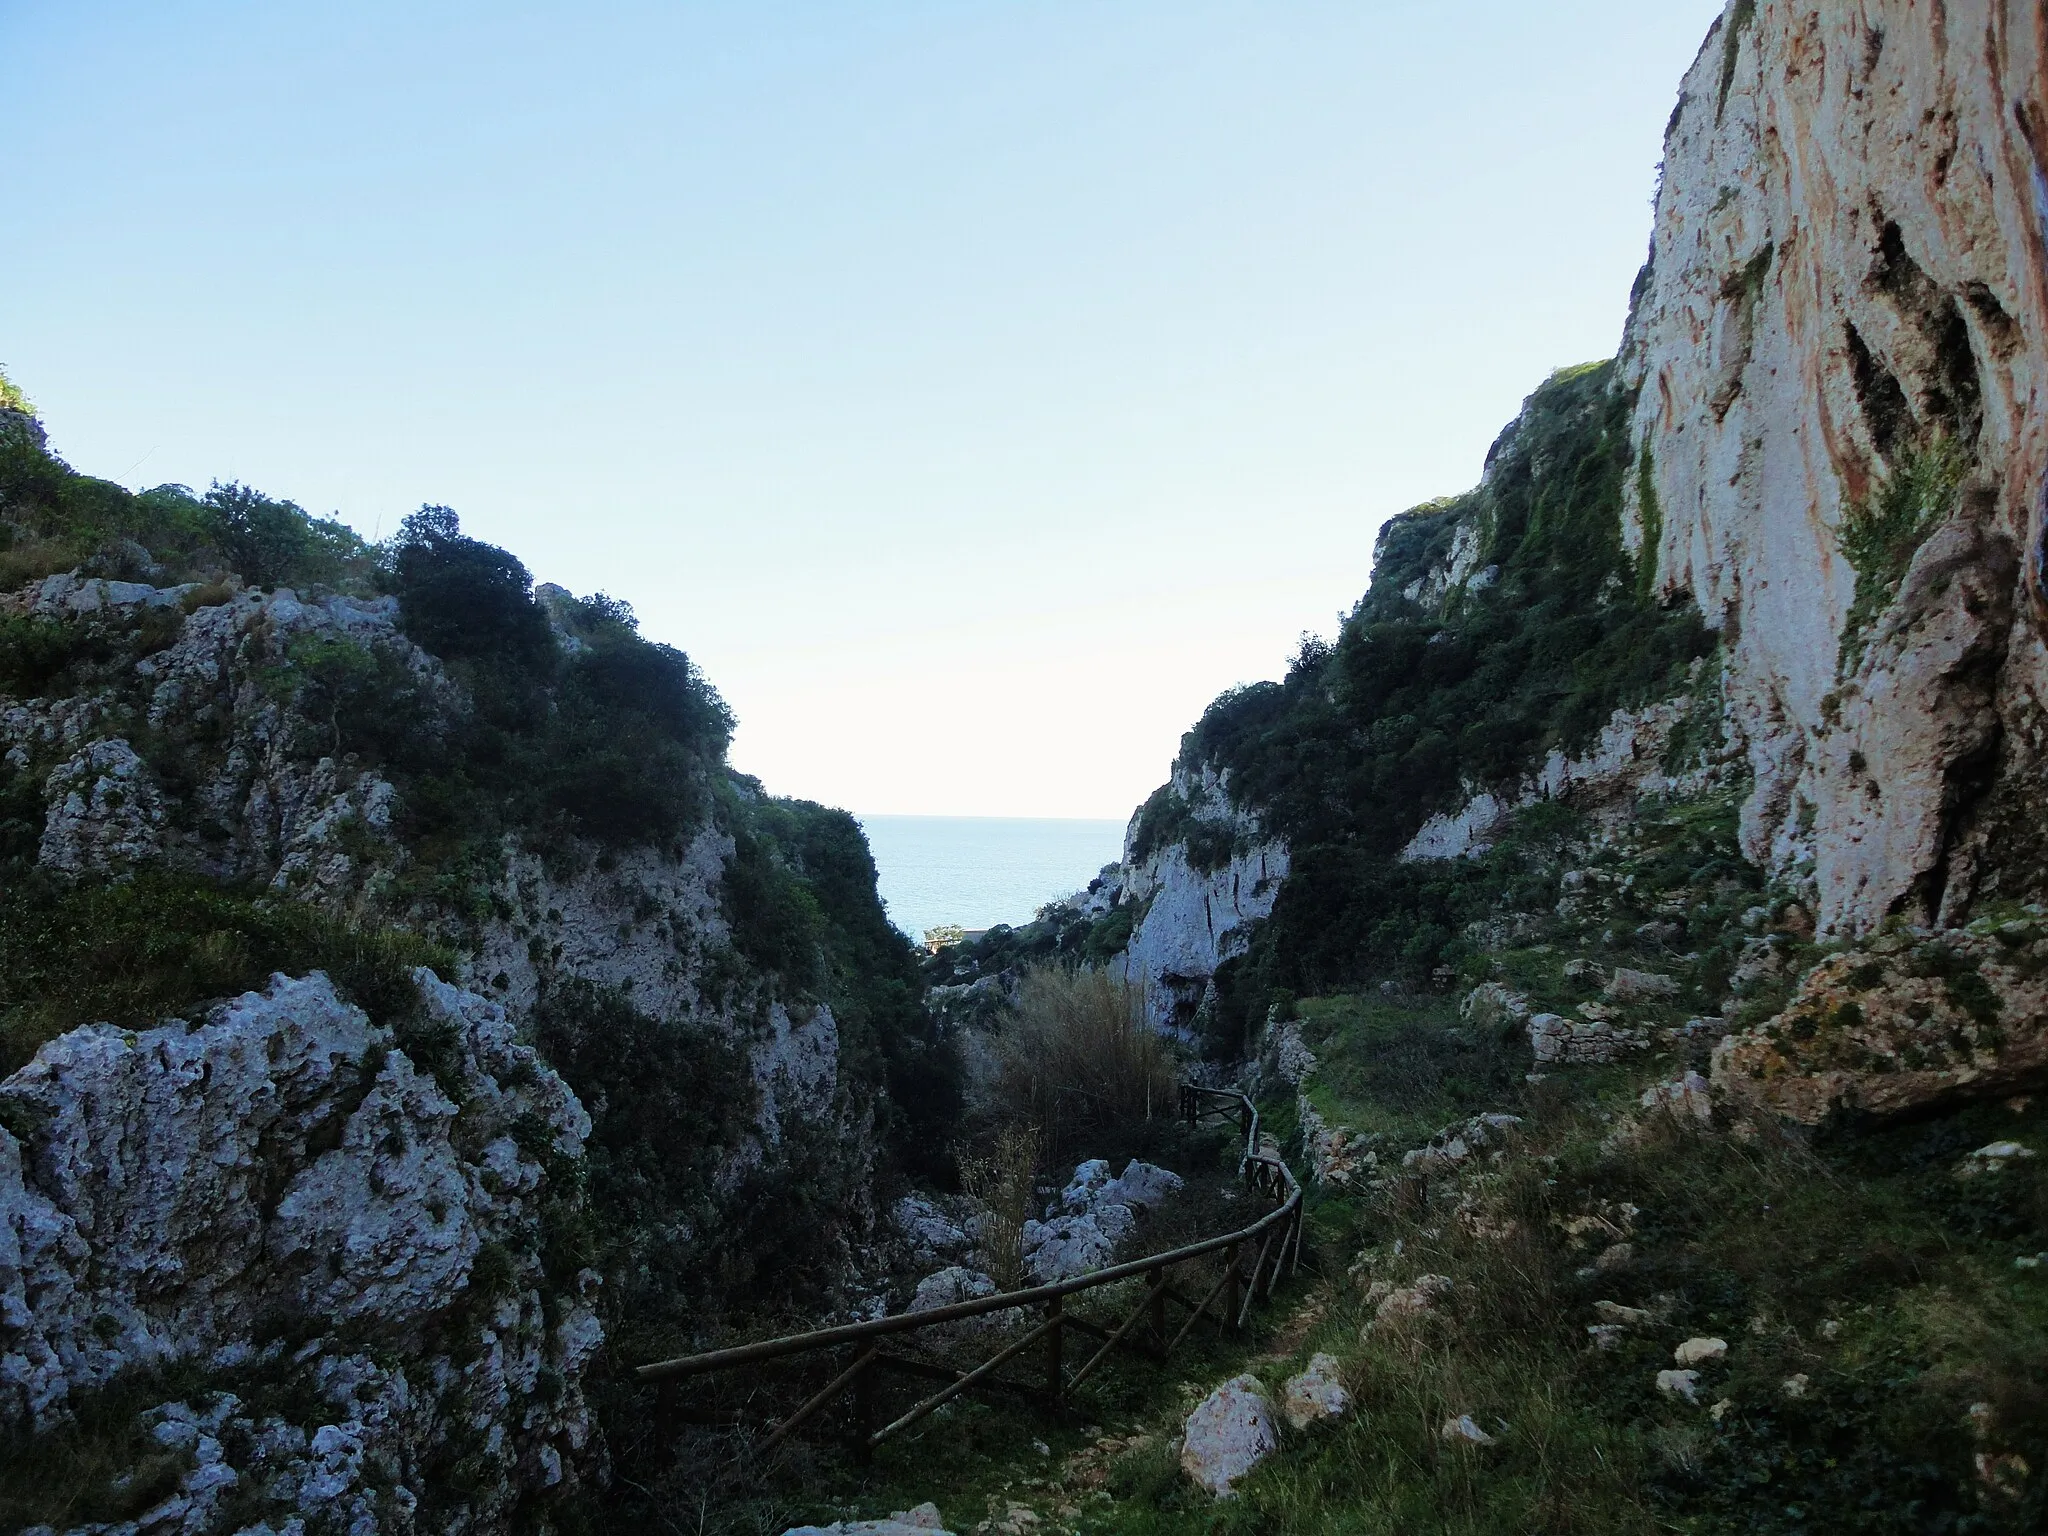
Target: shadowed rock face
column 1848, row 285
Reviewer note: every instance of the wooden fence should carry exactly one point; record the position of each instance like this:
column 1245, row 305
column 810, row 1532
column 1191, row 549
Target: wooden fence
column 1273, row 1244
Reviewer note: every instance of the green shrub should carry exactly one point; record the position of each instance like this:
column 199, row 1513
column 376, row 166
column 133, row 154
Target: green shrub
column 1882, row 531
column 463, row 599
column 11, row 397
column 159, row 945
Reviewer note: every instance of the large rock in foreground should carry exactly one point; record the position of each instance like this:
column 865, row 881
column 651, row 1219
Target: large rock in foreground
column 1228, row 1435
column 283, row 1193
column 1913, row 1021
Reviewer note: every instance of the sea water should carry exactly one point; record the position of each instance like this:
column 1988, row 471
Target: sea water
column 976, row 872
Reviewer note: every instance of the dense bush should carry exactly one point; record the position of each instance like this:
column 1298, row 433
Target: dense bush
column 131, row 952
column 54, row 519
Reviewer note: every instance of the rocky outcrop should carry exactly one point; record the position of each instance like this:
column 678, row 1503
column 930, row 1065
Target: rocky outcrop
column 1912, row 1021
column 1196, row 896
column 1840, row 347
column 1630, row 758
column 237, row 694
column 282, row 1192
column 215, row 689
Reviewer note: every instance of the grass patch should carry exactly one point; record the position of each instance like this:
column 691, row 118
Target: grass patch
column 1404, row 1068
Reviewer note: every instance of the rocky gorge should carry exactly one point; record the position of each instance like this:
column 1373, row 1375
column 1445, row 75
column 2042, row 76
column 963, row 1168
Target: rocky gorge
column 1632, row 922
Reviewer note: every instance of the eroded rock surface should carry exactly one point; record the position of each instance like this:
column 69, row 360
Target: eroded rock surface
column 1228, row 1435
column 283, row 1170
column 1912, row 1021
column 1848, row 299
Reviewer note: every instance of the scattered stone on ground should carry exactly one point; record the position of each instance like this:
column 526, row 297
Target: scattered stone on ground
column 921, row 1521
column 1607, row 1335
column 1464, row 1430
column 1015, row 1520
column 1700, row 1351
column 1795, row 1386
column 1615, row 1256
column 1411, row 1301
column 1229, row 1434
column 1315, row 1394
column 1625, row 1317
column 1685, row 1384
column 1993, row 1158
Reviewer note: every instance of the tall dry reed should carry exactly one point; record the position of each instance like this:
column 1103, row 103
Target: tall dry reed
column 1076, row 1056
column 1005, row 1182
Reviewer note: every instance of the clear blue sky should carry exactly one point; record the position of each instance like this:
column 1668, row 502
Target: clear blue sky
column 974, row 389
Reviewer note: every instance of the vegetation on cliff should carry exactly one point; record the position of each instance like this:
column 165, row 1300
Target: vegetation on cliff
column 537, row 730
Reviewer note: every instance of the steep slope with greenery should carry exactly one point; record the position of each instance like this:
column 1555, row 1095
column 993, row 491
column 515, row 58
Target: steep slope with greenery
column 240, row 741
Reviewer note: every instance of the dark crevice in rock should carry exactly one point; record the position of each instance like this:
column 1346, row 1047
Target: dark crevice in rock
column 1878, row 391
column 1953, row 396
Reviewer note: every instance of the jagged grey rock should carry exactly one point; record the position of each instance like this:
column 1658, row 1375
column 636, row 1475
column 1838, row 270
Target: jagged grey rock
column 283, row 1166
column 1315, row 1394
column 1228, row 1435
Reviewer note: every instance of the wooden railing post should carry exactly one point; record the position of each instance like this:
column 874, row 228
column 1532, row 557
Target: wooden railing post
column 1230, row 1286
column 1158, row 1282
column 1055, row 1371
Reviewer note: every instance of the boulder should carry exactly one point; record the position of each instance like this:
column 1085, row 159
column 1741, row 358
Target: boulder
column 1085, row 1190
column 1228, row 1435
column 932, row 1235
column 1627, row 986
column 1065, row 1247
column 1315, row 1394
column 1622, row 1317
column 1994, row 1157
column 1416, row 1300
column 1912, row 1022
column 1491, row 1006
column 1700, row 1351
column 1680, row 1384
column 924, row 1520
column 1144, row 1186
column 949, row 1287
column 1464, row 1430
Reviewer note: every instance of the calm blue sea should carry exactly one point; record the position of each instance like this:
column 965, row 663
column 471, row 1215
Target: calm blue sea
column 980, row 871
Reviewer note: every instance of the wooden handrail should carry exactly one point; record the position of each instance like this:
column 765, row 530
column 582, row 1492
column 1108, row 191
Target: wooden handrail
column 1197, row 1102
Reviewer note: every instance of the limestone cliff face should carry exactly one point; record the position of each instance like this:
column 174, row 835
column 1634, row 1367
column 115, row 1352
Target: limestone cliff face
column 279, row 1192
column 1194, row 896
column 1846, row 319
